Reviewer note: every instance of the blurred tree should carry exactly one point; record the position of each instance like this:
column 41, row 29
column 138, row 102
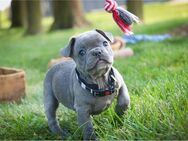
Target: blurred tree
column 136, row 7
column 78, row 14
column 67, row 14
column 18, row 13
column 34, row 17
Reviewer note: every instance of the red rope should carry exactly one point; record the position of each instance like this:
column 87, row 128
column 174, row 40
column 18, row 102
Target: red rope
column 112, row 7
column 123, row 26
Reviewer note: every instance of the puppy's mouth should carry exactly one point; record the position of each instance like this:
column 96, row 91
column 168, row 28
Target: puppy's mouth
column 99, row 64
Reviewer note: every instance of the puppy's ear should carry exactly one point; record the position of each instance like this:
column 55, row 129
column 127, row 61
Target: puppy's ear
column 68, row 50
column 107, row 35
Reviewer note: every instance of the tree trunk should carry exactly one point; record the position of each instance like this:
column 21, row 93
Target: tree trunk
column 136, row 7
column 62, row 15
column 68, row 14
column 78, row 15
column 34, row 17
column 18, row 13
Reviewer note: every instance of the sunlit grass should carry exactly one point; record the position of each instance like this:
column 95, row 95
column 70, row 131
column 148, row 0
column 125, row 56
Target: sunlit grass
column 164, row 11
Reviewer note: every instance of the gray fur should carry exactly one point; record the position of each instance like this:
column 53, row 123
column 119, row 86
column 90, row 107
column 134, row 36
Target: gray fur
column 61, row 85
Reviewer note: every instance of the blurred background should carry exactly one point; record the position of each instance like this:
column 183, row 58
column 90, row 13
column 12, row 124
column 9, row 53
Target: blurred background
column 64, row 14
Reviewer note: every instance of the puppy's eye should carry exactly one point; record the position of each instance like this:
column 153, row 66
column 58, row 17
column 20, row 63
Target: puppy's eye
column 82, row 52
column 105, row 43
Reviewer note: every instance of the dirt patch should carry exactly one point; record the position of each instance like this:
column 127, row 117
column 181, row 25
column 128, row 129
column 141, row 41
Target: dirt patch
column 180, row 31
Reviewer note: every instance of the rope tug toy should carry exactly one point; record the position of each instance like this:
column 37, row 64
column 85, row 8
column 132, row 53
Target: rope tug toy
column 122, row 17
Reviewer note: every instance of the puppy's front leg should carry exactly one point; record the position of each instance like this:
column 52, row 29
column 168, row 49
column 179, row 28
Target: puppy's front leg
column 123, row 100
column 84, row 121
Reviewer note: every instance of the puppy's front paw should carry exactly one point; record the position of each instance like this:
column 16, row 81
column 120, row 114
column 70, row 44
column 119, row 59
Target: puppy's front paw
column 65, row 133
column 90, row 135
column 120, row 109
column 55, row 128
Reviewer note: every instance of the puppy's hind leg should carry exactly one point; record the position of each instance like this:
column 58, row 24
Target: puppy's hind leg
column 50, row 105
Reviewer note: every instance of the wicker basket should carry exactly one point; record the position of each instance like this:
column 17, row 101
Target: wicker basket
column 12, row 84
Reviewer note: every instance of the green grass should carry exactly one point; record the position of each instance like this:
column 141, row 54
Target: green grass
column 156, row 77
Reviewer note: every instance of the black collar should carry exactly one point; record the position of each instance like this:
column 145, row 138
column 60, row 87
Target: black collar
column 94, row 89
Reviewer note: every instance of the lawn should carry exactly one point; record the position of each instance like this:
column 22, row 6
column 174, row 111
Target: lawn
column 156, row 76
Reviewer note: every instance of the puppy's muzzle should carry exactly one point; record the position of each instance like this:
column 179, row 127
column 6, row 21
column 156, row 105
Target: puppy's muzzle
column 97, row 52
column 98, row 56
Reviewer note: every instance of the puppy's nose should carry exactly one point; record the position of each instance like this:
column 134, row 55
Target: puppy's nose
column 97, row 53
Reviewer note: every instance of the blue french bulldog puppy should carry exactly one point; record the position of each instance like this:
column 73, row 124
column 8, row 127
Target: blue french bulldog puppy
column 87, row 83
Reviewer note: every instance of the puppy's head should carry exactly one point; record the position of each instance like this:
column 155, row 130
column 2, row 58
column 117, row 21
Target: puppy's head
column 92, row 52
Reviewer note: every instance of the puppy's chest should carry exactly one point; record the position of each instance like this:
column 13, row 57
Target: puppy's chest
column 101, row 104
